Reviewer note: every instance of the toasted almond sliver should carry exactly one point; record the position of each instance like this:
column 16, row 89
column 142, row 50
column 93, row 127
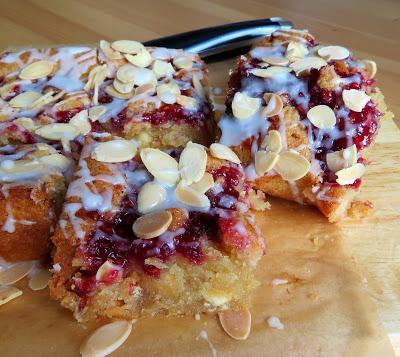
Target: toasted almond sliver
column 151, row 195
column 265, row 161
column 162, row 69
column 304, row 65
column 118, row 150
column 182, row 62
column 152, row 225
column 158, row 263
column 168, row 92
column 191, row 197
column 274, row 105
column 24, row 100
column 295, row 51
column 236, row 323
column 276, row 61
column 141, row 59
column 21, row 169
column 355, row 99
column 186, row 102
column 127, row 46
column 349, row 175
column 110, row 53
column 198, row 86
column 223, row 152
column 110, row 90
column 126, row 73
column 81, row 121
column 15, row 272
column 106, row 268
column 56, row 160
column 106, row 339
column 8, row 293
column 161, row 165
column 40, row 279
column 43, row 100
column 333, row 53
column 25, row 122
column 96, row 112
column 123, row 88
column 370, row 68
column 144, row 76
column 8, row 89
column 58, row 131
column 204, row 184
column 272, row 141
column 37, row 70
column 292, row 166
column 342, row 159
column 243, row 106
column 322, row 117
column 192, row 163
column 270, row 72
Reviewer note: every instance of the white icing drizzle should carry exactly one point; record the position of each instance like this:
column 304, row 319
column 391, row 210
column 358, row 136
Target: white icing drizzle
column 204, row 336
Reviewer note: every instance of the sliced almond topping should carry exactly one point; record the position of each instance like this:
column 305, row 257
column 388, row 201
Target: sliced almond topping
column 276, row 61
column 105, row 270
column 322, row 117
column 333, row 53
column 342, row 159
column 272, row 141
column 168, row 92
column 21, row 169
column 370, row 68
column 162, row 166
column 96, row 112
column 198, row 86
column 274, row 105
column 58, row 131
column 243, row 106
column 236, row 323
column 24, row 100
column 15, row 272
column 42, row 100
column 8, row 293
column 40, row 279
column 152, row 225
column 106, row 339
column 204, row 184
column 148, row 88
column 110, row 90
column 182, row 62
column 56, row 160
column 127, row 46
column 37, row 70
column 96, row 76
column 144, row 76
column 304, row 65
column 81, row 121
column 270, row 72
column 292, row 166
column 123, row 88
column 295, row 51
column 349, row 175
column 192, row 163
column 126, row 73
column 223, row 152
column 142, row 59
column 8, row 89
column 186, row 102
column 25, row 122
column 110, row 53
column 162, row 69
column 158, row 263
column 118, row 150
column 355, row 99
column 151, row 195
column 265, row 161
column 191, row 197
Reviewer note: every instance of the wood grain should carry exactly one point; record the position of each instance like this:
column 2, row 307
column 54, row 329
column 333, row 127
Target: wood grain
column 369, row 28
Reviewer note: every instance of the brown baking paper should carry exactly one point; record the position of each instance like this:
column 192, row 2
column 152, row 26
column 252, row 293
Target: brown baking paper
column 325, row 307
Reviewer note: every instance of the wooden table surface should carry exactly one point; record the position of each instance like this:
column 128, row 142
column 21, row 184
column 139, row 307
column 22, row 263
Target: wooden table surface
column 369, row 28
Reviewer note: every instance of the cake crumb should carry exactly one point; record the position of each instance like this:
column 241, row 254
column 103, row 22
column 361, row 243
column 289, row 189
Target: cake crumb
column 274, row 322
column 197, row 317
column 312, row 296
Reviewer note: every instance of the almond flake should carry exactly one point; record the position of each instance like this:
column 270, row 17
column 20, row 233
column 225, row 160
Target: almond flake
column 151, row 195
column 126, row 73
column 236, row 323
column 348, row 175
column 158, row 263
column 265, row 161
column 272, row 141
column 105, row 269
column 118, row 150
column 295, row 51
column 21, row 169
column 24, row 100
column 110, row 53
column 96, row 112
column 144, row 76
column 332, row 53
column 56, row 160
column 186, row 102
column 162, row 69
column 142, row 59
column 58, row 131
column 127, row 46
column 152, row 225
column 204, row 184
column 110, row 90
column 147, row 88
column 191, row 197
column 304, row 65
column 274, row 105
column 25, row 122
column 8, row 293
column 161, row 165
column 96, row 75
column 342, row 159
column 292, row 166
column 243, row 106
column 370, row 68
column 39, row 279
column 198, row 86
column 8, row 89
column 276, row 61
column 322, row 117
column 15, row 272
column 182, row 62
column 42, row 100
column 355, row 99
column 81, row 121
column 192, row 163
column 223, row 152
column 123, row 88
column 37, row 70
column 270, row 72
column 106, row 339
column 168, row 92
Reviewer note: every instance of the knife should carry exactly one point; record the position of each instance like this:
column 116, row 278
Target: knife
column 224, row 41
